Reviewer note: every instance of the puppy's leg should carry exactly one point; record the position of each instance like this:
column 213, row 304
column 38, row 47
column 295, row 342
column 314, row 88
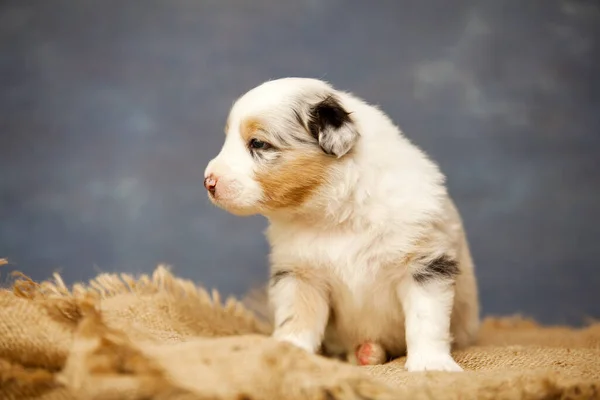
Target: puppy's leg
column 300, row 309
column 427, row 298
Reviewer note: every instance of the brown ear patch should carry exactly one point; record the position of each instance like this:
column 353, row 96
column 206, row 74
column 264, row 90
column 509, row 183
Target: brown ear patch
column 295, row 177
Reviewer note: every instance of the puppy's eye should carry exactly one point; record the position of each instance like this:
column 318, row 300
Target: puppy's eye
column 258, row 144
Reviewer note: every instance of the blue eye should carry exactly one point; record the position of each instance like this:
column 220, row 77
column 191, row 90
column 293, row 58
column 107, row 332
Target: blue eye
column 258, row 144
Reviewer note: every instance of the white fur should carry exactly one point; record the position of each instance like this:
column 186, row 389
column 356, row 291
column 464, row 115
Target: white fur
column 308, row 338
column 382, row 203
column 232, row 165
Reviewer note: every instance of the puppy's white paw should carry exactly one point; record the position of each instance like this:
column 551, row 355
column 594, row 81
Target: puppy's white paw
column 301, row 340
column 427, row 361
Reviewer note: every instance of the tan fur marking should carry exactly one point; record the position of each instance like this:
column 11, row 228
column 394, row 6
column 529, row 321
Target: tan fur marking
column 250, row 128
column 295, row 177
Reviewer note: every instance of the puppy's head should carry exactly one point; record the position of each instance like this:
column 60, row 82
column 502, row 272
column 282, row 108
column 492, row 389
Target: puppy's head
column 283, row 142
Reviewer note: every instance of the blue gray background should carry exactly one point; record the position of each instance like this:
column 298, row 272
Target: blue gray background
column 110, row 110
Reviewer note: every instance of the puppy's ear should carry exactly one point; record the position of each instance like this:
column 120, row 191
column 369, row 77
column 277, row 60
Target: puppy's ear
column 332, row 126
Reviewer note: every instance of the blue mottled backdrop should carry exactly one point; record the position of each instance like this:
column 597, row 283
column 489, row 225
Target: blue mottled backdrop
column 110, row 110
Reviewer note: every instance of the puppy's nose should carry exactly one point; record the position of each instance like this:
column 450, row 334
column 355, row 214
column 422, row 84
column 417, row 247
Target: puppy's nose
column 210, row 183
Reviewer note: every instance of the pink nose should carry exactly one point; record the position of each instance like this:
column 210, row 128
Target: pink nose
column 210, row 183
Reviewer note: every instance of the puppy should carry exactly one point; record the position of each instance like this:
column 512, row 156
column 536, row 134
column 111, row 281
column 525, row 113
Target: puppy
column 368, row 253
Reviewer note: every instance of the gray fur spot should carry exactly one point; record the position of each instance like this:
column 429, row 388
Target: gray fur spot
column 442, row 267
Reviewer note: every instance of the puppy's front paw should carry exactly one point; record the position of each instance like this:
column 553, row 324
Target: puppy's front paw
column 424, row 361
column 301, row 340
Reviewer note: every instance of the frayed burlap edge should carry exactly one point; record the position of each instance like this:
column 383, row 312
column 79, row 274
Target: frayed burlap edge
column 107, row 285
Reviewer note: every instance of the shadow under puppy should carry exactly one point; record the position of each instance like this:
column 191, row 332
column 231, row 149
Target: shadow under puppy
column 368, row 254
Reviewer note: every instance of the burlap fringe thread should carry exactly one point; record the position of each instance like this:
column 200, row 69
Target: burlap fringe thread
column 159, row 337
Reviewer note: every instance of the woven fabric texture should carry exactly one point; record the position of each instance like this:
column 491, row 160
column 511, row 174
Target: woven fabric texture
column 161, row 337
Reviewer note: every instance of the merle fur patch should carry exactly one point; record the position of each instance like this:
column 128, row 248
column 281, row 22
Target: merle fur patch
column 330, row 124
column 327, row 113
column 442, row 267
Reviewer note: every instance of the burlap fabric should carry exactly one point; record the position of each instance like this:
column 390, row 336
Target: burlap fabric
column 160, row 337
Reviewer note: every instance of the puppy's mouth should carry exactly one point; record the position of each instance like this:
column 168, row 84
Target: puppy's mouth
column 219, row 202
column 213, row 197
column 231, row 207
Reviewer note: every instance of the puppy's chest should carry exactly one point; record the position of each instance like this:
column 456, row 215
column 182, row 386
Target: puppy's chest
column 363, row 275
column 351, row 262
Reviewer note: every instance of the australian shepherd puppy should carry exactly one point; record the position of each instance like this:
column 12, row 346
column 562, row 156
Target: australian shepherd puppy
column 369, row 259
